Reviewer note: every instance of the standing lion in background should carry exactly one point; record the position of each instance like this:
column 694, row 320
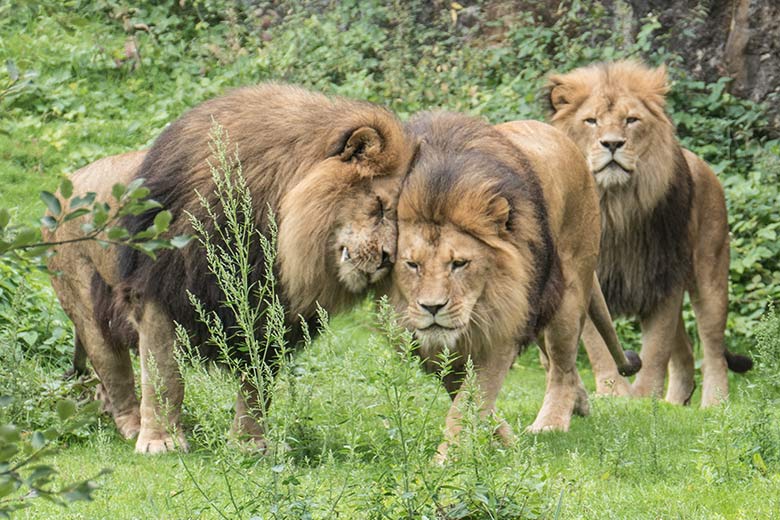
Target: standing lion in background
column 329, row 168
column 664, row 228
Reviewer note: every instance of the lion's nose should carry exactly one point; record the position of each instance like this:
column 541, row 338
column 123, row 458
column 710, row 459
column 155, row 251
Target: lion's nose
column 613, row 144
column 387, row 260
column 433, row 308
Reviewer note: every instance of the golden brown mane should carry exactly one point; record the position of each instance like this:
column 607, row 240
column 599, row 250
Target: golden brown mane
column 293, row 148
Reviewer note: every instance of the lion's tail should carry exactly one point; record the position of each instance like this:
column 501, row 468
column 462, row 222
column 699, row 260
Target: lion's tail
column 738, row 363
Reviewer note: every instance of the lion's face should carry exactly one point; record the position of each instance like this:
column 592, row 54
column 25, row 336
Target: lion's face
column 615, row 115
column 441, row 273
column 613, row 136
column 364, row 243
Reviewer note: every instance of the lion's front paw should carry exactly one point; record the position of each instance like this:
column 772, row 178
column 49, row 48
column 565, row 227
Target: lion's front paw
column 152, row 443
column 129, row 425
column 541, row 425
column 441, row 453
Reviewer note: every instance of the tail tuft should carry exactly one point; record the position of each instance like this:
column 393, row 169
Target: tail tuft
column 738, row 363
column 634, row 364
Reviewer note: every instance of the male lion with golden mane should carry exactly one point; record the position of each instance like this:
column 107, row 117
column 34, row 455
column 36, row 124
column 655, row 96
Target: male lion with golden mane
column 330, row 169
column 497, row 245
column 664, row 228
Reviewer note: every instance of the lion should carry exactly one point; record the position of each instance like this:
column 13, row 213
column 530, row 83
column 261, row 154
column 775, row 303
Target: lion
column 497, row 246
column 329, row 169
column 664, row 228
column 102, row 332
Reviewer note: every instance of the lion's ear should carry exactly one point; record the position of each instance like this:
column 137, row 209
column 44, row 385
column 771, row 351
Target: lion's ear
column 660, row 81
column 499, row 213
column 365, row 143
column 557, row 93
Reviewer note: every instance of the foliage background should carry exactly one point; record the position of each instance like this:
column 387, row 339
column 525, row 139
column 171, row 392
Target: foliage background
column 86, row 79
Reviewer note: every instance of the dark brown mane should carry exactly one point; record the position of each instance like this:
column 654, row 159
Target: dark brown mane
column 463, row 166
column 640, row 267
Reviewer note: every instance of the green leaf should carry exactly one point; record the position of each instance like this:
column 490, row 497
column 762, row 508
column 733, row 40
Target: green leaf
column 37, row 440
column 49, row 222
column 179, row 241
column 75, row 214
column 99, row 215
column 139, row 193
column 66, row 408
column 117, row 233
column 9, row 433
column 66, row 188
column 7, row 451
column 118, row 190
column 25, row 237
column 5, row 218
column 7, row 486
column 52, row 202
column 40, row 474
column 30, row 337
column 162, row 220
column 86, row 200
column 5, row 400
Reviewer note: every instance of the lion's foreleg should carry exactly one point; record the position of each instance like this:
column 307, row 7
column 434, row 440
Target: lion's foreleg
column 489, row 377
column 162, row 388
column 681, row 367
column 659, row 331
column 252, row 405
column 565, row 392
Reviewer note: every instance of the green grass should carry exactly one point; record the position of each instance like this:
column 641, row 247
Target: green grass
column 628, row 459
column 361, row 423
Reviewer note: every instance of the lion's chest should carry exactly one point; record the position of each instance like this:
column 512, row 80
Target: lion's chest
column 640, row 267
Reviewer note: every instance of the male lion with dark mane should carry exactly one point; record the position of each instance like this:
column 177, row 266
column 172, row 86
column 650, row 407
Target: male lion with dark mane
column 330, row 169
column 497, row 246
column 664, row 228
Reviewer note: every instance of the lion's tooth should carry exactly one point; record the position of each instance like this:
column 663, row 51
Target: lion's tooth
column 344, row 254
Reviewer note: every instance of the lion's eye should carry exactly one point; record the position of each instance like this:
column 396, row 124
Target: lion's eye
column 630, row 120
column 380, row 211
column 412, row 265
column 590, row 121
column 459, row 264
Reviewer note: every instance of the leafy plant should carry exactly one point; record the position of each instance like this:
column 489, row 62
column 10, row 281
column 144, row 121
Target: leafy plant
column 24, row 476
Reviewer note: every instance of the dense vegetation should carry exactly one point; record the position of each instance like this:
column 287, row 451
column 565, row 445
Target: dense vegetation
column 87, row 79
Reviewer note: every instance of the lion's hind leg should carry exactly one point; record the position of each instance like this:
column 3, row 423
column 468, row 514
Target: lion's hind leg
column 681, row 368
column 162, row 388
column 252, row 405
column 111, row 362
column 659, row 331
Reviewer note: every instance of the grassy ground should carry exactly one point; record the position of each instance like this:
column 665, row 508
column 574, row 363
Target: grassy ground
column 361, row 423
column 629, row 459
